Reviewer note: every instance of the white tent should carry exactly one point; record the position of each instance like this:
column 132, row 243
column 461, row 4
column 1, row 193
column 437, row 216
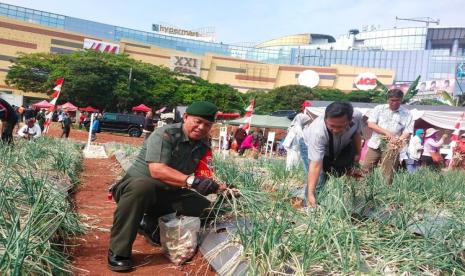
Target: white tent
column 443, row 117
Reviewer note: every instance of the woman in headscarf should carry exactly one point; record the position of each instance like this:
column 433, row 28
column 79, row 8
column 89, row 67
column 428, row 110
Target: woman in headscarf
column 415, row 147
column 431, row 155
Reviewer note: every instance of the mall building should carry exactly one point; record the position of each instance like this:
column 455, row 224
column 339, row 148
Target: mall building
column 392, row 56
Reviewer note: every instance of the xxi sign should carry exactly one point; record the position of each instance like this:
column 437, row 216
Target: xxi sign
column 185, row 65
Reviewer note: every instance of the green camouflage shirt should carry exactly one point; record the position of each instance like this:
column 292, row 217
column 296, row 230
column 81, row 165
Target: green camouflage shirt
column 169, row 145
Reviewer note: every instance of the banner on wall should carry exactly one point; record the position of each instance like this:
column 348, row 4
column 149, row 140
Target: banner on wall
column 403, row 86
column 366, row 81
column 433, row 89
column 186, row 65
column 101, row 46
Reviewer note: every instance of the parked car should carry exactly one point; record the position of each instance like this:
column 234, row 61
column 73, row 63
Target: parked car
column 175, row 116
column 285, row 113
column 122, row 123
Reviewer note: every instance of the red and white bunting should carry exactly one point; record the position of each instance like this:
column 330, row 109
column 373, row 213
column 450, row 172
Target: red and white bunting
column 248, row 116
column 57, row 90
column 56, row 93
column 456, row 132
column 161, row 110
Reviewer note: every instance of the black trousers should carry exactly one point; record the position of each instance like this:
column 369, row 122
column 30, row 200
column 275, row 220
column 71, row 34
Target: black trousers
column 136, row 196
column 66, row 131
column 7, row 134
column 428, row 162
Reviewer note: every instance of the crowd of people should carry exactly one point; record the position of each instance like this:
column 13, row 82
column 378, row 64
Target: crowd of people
column 31, row 123
column 163, row 176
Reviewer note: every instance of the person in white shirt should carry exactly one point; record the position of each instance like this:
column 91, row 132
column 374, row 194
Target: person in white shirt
column 334, row 145
column 415, row 148
column 390, row 122
column 30, row 130
column 293, row 143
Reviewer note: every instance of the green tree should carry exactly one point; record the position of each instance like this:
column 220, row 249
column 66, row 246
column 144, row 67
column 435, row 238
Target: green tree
column 288, row 97
column 115, row 82
column 429, row 102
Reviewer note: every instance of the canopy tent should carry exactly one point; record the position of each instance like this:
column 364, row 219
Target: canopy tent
column 443, row 117
column 142, row 108
column 227, row 116
column 68, row 107
column 42, row 104
column 264, row 121
column 89, row 109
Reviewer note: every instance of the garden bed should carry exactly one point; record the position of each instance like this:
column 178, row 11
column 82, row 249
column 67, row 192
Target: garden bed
column 36, row 216
column 415, row 226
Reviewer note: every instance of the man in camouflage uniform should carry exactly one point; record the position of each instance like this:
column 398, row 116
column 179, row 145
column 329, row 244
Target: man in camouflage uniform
column 160, row 182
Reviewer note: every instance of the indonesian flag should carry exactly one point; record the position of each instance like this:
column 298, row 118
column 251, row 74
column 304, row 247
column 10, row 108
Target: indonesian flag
column 248, row 116
column 56, row 90
column 56, row 93
column 161, row 110
column 455, row 134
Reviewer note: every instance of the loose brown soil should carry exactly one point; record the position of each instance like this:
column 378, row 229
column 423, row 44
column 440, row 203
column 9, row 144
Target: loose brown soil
column 90, row 251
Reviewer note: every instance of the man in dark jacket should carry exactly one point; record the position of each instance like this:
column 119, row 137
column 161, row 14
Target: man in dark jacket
column 9, row 119
column 66, row 125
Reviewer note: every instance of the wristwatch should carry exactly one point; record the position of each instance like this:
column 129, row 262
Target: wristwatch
column 190, row 180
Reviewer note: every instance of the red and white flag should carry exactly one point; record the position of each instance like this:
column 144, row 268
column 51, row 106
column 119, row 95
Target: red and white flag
column 55, row 95
column 56, row 90
column 456, row 132
column 248, row 116
column 161, row 110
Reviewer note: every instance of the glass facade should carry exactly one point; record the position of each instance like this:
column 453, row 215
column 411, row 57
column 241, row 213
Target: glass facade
column 33, row 16
column 394, row 39
column 115, row 33
column 402, row 50
column 408, row 64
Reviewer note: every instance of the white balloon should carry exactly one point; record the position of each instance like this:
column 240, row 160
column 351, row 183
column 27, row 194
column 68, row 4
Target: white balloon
column 309, row 78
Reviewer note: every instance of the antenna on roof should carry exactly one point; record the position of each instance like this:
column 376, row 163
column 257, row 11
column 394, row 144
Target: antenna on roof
column 426, row 20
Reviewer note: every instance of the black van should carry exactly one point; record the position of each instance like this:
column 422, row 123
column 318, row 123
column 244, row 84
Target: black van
column 122, row 123
column 290, row 114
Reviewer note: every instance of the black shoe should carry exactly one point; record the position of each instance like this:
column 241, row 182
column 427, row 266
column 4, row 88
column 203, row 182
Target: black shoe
column 148, row 228
column 118, row 263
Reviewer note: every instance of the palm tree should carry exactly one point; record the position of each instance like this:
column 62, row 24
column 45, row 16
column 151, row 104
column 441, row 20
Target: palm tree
column 412, row 90
column 458, row 101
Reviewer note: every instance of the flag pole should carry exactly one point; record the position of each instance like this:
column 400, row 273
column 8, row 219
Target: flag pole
column 90, row 131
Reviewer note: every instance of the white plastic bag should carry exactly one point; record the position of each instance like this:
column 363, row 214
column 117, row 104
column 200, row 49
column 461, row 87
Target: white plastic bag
column 179, row 237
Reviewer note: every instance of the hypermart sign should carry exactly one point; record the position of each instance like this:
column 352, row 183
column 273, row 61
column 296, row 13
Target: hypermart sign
column 176, row 31
column 366, row 81
column 186, row 65
column 100, row 46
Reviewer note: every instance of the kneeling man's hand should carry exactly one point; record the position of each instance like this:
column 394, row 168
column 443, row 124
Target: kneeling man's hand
column 204, row 185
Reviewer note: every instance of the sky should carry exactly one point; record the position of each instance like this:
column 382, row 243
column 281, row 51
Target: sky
column 254, row 21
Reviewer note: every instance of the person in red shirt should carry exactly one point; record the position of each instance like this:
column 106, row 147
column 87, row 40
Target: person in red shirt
column 459, row 152
column 82, row 118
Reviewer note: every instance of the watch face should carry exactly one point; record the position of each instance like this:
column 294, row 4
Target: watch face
column 190, row 180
